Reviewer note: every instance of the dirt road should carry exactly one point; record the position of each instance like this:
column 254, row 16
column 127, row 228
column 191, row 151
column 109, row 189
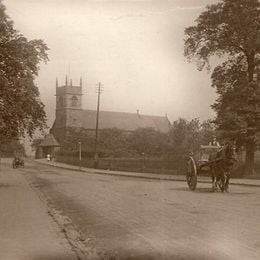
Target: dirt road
column 109, row 217
column 27, row 232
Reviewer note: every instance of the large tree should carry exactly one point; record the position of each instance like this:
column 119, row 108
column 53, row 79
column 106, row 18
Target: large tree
column 189, row 135
column 21, row 111
column 149, row 142
column 230, row 30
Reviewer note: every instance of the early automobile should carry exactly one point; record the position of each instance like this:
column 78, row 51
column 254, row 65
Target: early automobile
column 17, row 161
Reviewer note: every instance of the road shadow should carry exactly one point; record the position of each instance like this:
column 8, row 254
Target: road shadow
column 5, row 185
column 205, row 190
column 241, row 193
column 158, row 257
column 138, row 257
column 198, row 190
column 180, row 189
column 218, row 191
column 59, row 257
column 56, row 257
column 209, row 190
column 230, row 192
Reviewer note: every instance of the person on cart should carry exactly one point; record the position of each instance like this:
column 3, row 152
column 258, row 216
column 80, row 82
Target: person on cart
column 17, row 161
column 214, row 142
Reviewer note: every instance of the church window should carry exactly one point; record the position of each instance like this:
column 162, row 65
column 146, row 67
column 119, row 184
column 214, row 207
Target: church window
column 74, row 101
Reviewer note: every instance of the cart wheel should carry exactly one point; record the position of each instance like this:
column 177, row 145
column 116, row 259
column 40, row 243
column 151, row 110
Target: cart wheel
column 191, row 174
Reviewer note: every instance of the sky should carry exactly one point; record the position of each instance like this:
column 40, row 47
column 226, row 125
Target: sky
column 133, row 48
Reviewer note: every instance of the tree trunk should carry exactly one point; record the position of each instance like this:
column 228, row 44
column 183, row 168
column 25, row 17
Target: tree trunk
column 250, row 144
column 250, row 66
column 250, row 157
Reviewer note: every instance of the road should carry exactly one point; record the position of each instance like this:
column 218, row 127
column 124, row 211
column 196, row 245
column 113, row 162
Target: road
column 113, row 217
column 27, row 232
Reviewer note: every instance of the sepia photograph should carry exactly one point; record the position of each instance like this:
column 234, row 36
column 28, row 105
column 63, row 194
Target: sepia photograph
column 129, row 129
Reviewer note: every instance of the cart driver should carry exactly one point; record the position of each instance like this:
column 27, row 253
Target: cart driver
column 214, row 142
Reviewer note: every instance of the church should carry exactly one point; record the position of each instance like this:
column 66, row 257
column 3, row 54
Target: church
column 70, row 114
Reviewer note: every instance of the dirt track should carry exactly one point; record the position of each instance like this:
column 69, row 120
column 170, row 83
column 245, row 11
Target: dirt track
column 26, row 230
column 143, row 219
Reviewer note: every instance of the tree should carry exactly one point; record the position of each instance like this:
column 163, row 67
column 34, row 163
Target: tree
column 113, row 142
column 148, row 141
column 73, row 137
column 189, row 135
column 230, row 30
column 237, row 108
column 207, row 131
column 10, row 147
column 21, row 111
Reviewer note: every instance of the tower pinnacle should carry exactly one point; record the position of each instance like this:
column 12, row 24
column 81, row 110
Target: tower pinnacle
column 66, row 81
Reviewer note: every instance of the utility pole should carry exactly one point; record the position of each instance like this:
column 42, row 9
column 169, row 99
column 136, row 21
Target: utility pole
column 99, row 91
column 79, row 155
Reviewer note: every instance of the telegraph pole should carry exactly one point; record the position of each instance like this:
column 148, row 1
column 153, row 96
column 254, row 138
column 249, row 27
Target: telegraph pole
column 79, row 155
column 99, row 91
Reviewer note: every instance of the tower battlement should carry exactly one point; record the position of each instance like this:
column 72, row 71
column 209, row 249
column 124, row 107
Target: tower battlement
column 68, row 96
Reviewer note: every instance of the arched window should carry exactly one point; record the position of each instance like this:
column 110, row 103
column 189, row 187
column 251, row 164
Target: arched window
column 74, row 101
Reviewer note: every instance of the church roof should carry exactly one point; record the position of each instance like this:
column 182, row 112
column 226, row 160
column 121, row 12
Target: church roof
column 49, row 140
column 124, row 121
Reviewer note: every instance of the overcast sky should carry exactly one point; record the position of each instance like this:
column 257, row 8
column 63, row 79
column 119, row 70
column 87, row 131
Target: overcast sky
column 134, row 48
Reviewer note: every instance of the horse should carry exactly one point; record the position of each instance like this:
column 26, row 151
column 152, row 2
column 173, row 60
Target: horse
column 222, row 164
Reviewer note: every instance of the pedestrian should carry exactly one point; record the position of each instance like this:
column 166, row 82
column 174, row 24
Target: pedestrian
column 48, row 157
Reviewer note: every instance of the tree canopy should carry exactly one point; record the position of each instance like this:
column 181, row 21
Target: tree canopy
column 11, row 147
column 189, row 135
column 21, row 111
column 230, row 29
column 184, row 136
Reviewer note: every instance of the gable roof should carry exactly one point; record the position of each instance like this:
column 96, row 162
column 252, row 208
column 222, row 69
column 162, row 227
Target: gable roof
column 49, row 140
column 124, row 121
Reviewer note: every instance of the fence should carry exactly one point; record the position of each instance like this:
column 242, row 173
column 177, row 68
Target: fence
column 171, row 165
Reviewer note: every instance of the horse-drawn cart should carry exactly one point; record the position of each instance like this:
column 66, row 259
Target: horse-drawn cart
column 215, row 160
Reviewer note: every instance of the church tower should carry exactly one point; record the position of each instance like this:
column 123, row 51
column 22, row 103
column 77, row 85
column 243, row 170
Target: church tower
column 68, row 108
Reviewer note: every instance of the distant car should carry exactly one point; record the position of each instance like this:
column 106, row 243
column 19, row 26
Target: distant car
column 17, row 161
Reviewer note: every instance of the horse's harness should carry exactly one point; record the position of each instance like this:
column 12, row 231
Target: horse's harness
column 226, row 158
